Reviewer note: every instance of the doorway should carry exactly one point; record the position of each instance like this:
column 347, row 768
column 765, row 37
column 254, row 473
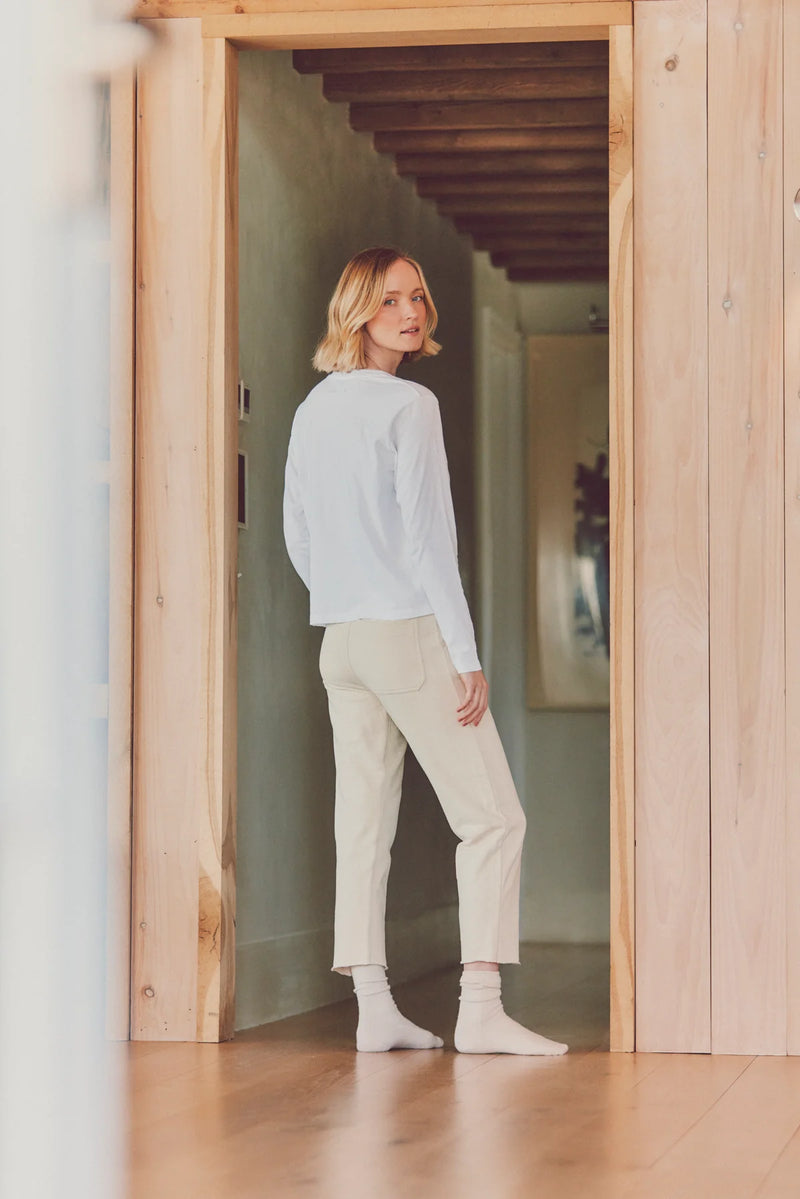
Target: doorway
column 215, row 47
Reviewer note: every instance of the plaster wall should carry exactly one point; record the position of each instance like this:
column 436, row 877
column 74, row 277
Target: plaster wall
column 560, row 760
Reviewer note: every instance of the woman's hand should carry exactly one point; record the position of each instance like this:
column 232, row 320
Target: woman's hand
column 476, row 699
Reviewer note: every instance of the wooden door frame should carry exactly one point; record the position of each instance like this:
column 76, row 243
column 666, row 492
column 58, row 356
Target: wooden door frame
column 213, row 903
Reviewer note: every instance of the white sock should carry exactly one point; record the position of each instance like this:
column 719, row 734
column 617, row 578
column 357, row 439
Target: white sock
column 380, row 1025
column 483, row 1026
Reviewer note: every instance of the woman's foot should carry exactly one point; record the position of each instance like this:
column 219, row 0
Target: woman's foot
column 483, row 1026
column 380, row 1025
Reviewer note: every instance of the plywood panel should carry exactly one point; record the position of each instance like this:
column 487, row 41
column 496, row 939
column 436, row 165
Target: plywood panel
column 184, row 718
column 746, row 528
column 622, row 1032
column 671, row 602
column 791, row 267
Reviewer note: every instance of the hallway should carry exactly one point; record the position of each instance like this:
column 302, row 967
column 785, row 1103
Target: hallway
column 291, row 1110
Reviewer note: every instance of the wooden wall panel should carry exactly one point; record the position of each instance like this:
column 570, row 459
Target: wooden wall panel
column 622, row 1032
column 184, row 698
column 791, row 268
column 217, row 812
column 671, row 533
column 120, row 625
column 746, row 528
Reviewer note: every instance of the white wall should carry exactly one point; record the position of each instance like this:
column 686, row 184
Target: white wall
column 559, row 759
column 312, row 193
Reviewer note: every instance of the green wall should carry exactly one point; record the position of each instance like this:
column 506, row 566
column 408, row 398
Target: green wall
column 312, row 193
column 560, row 760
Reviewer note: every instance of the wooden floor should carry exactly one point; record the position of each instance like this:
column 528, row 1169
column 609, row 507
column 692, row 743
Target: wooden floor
column 292, row 1110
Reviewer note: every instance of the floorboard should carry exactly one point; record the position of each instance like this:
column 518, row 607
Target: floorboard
column 291, row 1110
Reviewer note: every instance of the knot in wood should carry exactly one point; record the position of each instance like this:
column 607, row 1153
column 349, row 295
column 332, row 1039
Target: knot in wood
column 672, row 62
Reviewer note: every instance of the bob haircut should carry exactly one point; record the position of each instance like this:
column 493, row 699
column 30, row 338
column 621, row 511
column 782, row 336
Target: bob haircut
column 357, row 299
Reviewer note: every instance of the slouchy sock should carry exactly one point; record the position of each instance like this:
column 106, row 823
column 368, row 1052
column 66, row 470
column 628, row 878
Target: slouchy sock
column 484, row 1027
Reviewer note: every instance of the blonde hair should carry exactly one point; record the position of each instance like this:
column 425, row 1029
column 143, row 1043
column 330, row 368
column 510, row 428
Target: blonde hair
column 357, row 299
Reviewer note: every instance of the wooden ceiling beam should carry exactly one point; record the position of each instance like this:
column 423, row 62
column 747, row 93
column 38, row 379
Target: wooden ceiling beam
column 559, row 275
column 549, row 256
column 426, row 141
column 439, row 58
column 554, row 239
column 533, row 205
column 439, row 186
column 539, row 114
column 485, row 225
column 513, row 163
column 412, row 87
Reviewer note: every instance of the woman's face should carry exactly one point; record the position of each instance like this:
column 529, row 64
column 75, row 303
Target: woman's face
column 398, row 328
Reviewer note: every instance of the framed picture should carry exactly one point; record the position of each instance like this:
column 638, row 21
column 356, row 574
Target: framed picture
column 568, row 522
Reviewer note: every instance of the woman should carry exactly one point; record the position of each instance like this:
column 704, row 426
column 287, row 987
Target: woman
column 369, row 526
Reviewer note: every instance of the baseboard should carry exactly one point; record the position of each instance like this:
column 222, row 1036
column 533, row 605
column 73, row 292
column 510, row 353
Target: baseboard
column 288, row 975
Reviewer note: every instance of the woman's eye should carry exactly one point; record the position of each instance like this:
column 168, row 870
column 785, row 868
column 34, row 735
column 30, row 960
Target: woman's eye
column 387, row 302
column 421, row 299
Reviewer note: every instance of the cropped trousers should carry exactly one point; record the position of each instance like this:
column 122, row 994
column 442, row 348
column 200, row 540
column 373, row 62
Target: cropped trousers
column 391, row 683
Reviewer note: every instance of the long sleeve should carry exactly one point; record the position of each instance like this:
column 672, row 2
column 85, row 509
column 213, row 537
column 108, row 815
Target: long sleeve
column 295, row 525
column 422, row 484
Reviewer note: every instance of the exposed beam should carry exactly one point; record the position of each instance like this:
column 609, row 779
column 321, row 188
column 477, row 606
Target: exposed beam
column 487, row 224
column 547, row 83
column 588, row 243
column 439, row 58
column 532, row 205
column 550, row 257
column 512, row 163
column 510, row 185
column 541, row 114
column 427, row 141
column 559, row 275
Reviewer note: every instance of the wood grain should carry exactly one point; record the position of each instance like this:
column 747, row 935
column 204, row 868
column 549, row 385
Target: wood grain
column 424, row 26
column 543, row 239
column 120, row 625
column 485, row 114
column 746, row 528
column 518, row 83
column 621, row 508
column 290, row 1109
column 437, row 141
column 791, row 299
column 509, row 185
column 567, row 13
column 593, row 163
column 437, row 58
column 671, row 530
column 590, row 204
column 185, row 709
column 217, row 811
column 516, row 224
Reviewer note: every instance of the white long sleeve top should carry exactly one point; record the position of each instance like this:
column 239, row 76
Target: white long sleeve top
column 368, row 513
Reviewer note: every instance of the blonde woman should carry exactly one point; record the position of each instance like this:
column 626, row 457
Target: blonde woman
column 369, row 527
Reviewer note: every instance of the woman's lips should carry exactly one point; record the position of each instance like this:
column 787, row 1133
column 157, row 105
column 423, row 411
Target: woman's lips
column 415, row 329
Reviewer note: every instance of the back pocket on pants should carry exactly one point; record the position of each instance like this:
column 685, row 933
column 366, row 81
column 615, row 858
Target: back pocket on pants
column 386, row 655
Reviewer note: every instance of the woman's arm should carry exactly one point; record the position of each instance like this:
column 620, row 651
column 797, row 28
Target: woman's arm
column 295, row 526
column 422, row 484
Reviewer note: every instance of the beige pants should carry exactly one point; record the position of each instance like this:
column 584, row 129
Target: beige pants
column 392, row 683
